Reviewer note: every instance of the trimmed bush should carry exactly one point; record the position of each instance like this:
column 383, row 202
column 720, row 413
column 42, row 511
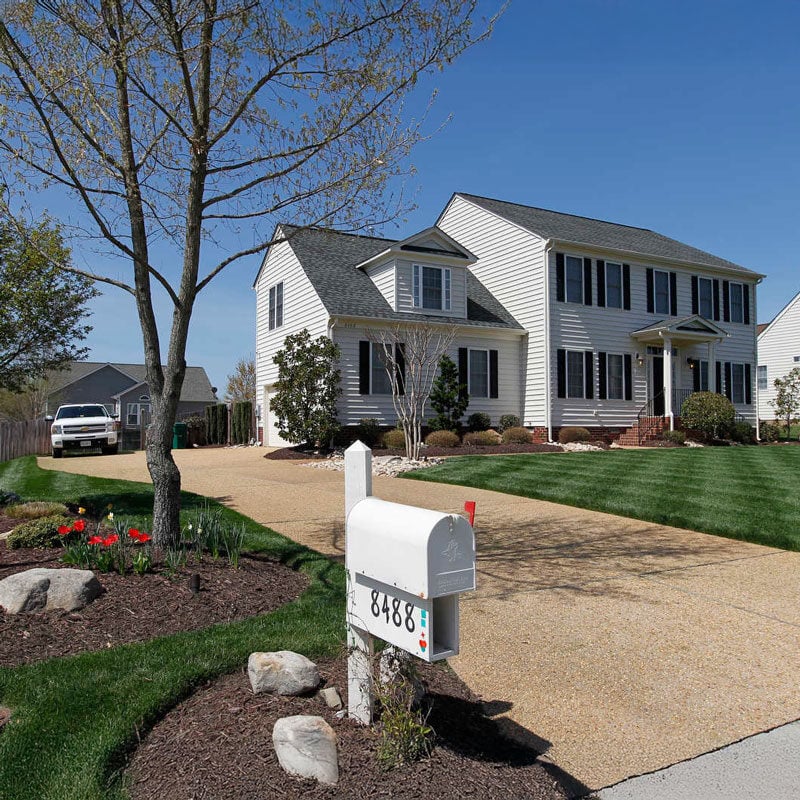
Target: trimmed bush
column 442, row 439
column 742, row 432
column 41, row 532
column 709, row 413
column 35, row 510
column 676, row 437
column 368, row 431
column 573, row 433
column 394, row 439
column 508, row 421
column 479, row 421
column 482, row 438
column 769, row 431
column 241, row 422
column 517, row 435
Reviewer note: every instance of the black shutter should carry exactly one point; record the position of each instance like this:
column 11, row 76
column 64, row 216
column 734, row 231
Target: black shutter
column 601, row 376
column 561, row 371
column 493, row 377
column 400, row 366
column 601, row 282
column 695, row 375
column 716, row 300
column 587, row 281
column 726, row 301
column 728, row 381
column 746, row 301
column 748, row 389
column 463, row 356
column 589, row 375
column 363, row 367
column 718, row 376
column 695, row 302
column 673, row 294
column 560, row 278
column 628, row 376
column 626, row 286
column 649, row 290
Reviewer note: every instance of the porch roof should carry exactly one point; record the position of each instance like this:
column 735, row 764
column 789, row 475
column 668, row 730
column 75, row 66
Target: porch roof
column 687, row 329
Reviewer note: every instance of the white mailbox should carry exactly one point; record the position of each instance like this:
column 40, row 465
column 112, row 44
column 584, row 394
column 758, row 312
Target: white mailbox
column 408, row 565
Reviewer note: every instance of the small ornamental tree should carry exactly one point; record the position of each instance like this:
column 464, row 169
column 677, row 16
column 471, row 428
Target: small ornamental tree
column 710, row 413
column 787, row 398
column 304, row 404
column 449, row 397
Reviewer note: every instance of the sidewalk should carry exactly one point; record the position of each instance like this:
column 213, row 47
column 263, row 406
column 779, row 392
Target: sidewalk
column 616, row 646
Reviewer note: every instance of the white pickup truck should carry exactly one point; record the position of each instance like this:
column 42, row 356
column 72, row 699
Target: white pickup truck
column 82, row 427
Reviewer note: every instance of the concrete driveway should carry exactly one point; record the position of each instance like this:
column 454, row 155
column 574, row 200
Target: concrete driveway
column 615, row 646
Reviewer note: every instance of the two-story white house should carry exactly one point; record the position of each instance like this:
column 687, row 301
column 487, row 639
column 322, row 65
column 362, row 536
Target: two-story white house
column 778, row 354
column 561, row 320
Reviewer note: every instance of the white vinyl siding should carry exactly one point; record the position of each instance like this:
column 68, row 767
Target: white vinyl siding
column 383, row 276
column 778, row 347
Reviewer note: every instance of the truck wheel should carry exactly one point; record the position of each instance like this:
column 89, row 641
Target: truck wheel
column 57, row 452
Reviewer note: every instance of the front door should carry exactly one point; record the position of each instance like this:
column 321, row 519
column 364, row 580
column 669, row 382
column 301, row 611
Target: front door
column 657, row 385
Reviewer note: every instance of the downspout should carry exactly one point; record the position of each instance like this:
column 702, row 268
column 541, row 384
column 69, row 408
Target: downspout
column 755, row 350
column 548, row 355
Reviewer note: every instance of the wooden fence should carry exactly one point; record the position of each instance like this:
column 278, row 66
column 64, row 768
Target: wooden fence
column 24, row 439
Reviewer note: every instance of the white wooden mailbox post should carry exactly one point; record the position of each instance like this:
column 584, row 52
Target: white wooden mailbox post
column 406, row 567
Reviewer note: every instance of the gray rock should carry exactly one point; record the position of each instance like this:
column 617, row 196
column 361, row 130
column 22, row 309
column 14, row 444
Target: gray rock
column 331, row 697
column 282, row 672
column 48, row 589
column 306, row 746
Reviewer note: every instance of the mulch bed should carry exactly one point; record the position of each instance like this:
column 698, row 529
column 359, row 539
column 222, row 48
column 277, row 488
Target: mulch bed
column 303, row 454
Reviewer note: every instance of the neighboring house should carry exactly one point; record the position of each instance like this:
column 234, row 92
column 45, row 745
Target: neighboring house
column 123, row 389
column 778, row 353
column 561, row 320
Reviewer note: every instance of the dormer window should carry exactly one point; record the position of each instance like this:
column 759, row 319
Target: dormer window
column 431, row 288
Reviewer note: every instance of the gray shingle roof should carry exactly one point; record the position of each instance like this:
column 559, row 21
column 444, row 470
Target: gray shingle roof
column 608, row 235
column 330, row 258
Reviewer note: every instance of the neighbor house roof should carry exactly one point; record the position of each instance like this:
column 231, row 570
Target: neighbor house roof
column 330, row 259
column 571, row 229
column 196, row 385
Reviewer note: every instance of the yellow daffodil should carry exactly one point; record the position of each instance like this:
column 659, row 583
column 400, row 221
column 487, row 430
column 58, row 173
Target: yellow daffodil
column 81, row 510
column 111, row 515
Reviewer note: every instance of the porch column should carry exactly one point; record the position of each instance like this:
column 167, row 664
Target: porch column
column 668, row 383
column 712, row 368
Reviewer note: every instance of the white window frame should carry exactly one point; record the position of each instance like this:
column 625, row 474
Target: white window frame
column 700, row 283
column 470, row 351
column 617, row 267
column 740, row 286
column 143, row 405
column 276, row 307
column 762, row 376
column 581, row 356
column 656, row 273
column 375, row 363
column 621, row 358
column 445, row 287
column 576, row 261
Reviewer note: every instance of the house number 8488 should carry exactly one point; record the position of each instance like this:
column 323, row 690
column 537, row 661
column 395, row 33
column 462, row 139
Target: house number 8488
column 391, row 610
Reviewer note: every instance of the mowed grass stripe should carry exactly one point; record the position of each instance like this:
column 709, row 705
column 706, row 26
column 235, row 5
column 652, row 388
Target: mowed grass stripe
column 748, row 493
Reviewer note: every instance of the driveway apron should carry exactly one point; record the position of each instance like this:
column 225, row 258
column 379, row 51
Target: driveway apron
column 616, row 647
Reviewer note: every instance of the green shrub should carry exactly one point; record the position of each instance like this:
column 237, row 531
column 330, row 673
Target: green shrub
column 42, row 532
column 478, row 421
column 449, row 397
column 442, row 439
column 517, row 435
column 573, row 433
column 394, row 439
column 241, row 422
column 676, row 437
column 742, row 432
column 35, row 510
column 368, row 431
column 709, row 413
column 508, row 421
column 7, row 498
column 482, row 438
column 769, row 431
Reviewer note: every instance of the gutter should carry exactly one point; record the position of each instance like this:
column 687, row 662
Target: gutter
column 548, row 420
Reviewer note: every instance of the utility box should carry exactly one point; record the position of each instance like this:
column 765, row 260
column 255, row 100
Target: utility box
column 408, row 565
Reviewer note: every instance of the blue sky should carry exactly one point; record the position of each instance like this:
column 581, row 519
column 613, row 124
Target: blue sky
column 682, row 117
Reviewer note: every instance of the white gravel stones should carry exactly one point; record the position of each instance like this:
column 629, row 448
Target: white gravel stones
column 282, row 672
column 579, row 447
column 388, row 466
column 48, row 589
column 306, row 746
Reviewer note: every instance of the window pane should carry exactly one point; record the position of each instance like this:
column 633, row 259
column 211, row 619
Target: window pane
column 662, row 292
column 279, row 305
column 380, row 378
column 737, row 303
column 614, row 375
column 446, row 277
column 762, row 377
column 133, row 414
column 704, row 376
column 614, row 285
column 705, row 304
column 575, row 387
column 479, row 373
column 574, row 270
column 431, row 287
column 271, row 307
column 737, row 378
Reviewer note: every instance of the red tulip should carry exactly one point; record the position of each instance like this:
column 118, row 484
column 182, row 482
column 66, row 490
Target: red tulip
column 79, row 525
column 133, row 533
column 95, row 540
column 143, row 537
column 63, row 530
column 107, row 542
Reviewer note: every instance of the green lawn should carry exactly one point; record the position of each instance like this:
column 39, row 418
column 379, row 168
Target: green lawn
column 750, row 493
column 75, row 719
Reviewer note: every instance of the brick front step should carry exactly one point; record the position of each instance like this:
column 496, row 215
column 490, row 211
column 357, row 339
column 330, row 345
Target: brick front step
column 647, row 429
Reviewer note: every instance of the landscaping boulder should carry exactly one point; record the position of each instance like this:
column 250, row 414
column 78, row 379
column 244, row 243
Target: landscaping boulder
column 306, row 746
column 48, row 589
column 282, row 672
column 331, row 697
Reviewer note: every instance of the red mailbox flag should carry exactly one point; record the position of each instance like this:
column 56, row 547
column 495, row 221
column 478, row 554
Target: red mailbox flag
column 469, row 508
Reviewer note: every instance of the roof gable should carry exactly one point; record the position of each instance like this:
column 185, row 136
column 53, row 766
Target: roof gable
column 787, row 309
